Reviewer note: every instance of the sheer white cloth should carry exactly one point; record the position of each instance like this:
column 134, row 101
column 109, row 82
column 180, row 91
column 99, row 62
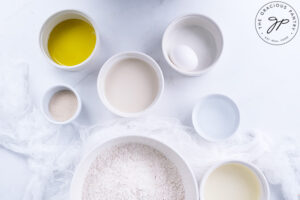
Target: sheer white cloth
column 53, row 151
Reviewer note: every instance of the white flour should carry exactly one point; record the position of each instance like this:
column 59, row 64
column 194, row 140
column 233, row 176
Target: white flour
column 133, row 172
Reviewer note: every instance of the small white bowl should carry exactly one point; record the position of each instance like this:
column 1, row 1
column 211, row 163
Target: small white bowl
column 261, row 177
column 107, row 66
column 55, row 19
column 46, row 100
column 216, row 117
column 187, row 175
column 198, row 32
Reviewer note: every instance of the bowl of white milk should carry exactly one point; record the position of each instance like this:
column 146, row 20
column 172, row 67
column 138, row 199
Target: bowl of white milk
column 130, row 83
column 234, row 180
column 216, row 117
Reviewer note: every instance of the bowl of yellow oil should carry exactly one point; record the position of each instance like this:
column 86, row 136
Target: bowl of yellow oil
column 69, row 40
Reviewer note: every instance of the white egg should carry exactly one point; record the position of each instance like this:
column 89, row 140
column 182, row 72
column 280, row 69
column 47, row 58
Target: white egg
column 184, row 57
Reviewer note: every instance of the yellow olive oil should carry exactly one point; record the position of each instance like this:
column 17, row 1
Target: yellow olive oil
column 71, row 42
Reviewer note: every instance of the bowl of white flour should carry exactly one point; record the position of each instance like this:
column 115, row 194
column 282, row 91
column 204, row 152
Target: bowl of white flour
column 133, row 168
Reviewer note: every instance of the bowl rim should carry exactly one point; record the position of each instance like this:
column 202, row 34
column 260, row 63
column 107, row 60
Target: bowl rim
column 195, row 123
column 166, row 56
column 64, row 87
column 121, row 56
column 97, row 145
column 259, row 174
column 89, row 20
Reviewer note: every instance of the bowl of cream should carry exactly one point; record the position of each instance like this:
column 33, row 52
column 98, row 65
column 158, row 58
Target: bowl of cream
column 69, row 40
column 133, row 167
column 234, row 180
column 130, row 83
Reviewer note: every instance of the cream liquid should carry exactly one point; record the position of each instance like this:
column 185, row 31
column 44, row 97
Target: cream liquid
column 232, row 182
column 131, row 85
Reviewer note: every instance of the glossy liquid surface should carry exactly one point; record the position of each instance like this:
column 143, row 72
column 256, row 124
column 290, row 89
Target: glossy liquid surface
column 71, row 42
column 232, row 182
column 131, row 85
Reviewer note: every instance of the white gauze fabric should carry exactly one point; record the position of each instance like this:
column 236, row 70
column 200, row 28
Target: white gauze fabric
column 53, row 151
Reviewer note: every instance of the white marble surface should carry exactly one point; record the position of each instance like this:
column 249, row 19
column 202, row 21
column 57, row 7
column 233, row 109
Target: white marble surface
column 263, row 79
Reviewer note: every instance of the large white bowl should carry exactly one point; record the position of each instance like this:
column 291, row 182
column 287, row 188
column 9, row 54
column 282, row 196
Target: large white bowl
column 188, row 178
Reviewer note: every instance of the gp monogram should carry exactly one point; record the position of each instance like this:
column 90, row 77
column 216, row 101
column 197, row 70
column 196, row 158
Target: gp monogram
column 277, row 23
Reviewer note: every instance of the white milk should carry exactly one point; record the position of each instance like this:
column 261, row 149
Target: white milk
column 131, row 85
column 232, row 182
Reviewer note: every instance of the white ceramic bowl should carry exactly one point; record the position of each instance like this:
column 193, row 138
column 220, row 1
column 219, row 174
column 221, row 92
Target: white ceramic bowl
column 47, row 97
column 107, row 66
column 216, row 117
column 55, row 19
column 188, row 178
column 261, row 177
column 198, row 32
